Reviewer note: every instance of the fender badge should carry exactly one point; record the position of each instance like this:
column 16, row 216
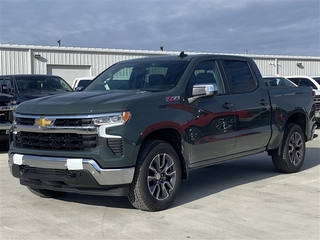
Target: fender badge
column 172, row 98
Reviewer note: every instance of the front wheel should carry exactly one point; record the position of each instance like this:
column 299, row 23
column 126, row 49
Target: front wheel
column 45, row 193
column 157, row 177
column 290, row 155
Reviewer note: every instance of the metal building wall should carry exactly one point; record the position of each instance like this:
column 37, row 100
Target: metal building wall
column 286, row 65
column 16, row 59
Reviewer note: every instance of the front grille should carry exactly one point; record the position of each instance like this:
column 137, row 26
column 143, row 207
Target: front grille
column 56, row 141
column 43, row 171
column 5, row 116
column 73, row 122
column 25, row 121
column 317, row 102
column 115, row 145
column 68, row 122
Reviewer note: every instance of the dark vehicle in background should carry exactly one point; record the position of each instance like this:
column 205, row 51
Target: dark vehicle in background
column 141, row 125
column 7, row 106
column 314, row 83
column 29, row 86
column 19, row 88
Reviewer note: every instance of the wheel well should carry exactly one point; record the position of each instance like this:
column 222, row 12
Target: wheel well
column 298, row 118
column 174, row 138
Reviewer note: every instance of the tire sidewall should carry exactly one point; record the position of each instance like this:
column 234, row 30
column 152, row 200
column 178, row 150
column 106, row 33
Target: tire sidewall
column 161, row 148
column 293, row 168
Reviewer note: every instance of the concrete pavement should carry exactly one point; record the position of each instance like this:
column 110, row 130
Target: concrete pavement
column 243, row 199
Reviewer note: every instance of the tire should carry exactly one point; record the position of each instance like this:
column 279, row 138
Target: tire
column 292, row 150
column 45, row 193
column 157, row 177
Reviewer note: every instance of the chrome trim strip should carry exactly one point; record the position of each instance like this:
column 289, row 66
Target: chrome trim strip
column 7, row 108
column 67, row 116
column 56, row 129
column 117, row 176
column 5, row 126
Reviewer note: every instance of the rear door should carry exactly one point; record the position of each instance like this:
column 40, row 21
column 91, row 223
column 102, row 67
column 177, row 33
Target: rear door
column 252, row 106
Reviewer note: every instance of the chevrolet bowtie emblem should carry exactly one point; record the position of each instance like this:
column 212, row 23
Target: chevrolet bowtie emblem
column 42, row 122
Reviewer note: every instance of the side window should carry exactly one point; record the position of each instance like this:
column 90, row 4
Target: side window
column 206, row 72
column 240, row 76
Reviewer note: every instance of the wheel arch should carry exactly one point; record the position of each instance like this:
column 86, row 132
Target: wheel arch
column 174, row 138
column 299, row 119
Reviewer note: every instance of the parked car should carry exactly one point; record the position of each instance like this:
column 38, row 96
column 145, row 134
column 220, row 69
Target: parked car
column 140, row 126
column 278, row 81
column 81, row 82
column 314, row 83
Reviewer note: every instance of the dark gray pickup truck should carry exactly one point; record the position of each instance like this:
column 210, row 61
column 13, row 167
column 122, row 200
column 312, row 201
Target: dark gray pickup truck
column 18, row 88
column 140, row 126
column 7, row 106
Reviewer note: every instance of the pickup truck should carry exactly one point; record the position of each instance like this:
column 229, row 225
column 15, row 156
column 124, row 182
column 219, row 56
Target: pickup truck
column 142, row 125
column 7, row 106
column 18, row 88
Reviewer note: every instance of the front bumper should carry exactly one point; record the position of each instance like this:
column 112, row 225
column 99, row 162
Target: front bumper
column 75, row 172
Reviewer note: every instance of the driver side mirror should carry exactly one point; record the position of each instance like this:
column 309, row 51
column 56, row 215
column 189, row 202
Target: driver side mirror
column 4, row 89
column 203, row 90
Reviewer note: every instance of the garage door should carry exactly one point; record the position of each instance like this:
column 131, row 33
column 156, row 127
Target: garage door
column 69, row 72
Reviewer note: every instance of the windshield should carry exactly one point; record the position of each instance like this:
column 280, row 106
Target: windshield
column 27, row 84
column 148, row 76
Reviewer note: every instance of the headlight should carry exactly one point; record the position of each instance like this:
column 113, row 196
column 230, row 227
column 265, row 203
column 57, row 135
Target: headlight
column 13, row 102
column 113, row 119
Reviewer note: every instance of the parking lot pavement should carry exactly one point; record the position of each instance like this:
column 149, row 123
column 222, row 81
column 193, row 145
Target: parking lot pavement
column 242, row 199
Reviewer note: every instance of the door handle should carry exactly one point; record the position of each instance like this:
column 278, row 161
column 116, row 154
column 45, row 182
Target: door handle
column 227, row 105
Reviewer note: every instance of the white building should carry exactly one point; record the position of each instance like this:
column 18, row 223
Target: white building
column 70, row 63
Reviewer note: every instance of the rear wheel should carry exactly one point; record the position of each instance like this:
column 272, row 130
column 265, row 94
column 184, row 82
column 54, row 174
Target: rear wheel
column 290, row 155
column 157, row 178
column 45, row 193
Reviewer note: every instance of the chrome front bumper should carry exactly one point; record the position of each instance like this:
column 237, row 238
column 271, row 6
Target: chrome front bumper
column 107, row 177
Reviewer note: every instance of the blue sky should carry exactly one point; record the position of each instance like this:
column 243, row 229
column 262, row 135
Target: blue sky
column 280, row 27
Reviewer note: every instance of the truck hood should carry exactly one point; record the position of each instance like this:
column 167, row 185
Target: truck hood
column 5, row 97
column 80, row 103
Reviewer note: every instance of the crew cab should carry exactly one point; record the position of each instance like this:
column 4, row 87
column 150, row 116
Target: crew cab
column 142, row 125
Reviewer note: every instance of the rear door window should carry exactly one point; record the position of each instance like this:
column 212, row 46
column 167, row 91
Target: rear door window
column 240, row 76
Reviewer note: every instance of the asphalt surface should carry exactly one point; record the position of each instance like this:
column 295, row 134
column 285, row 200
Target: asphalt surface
column 243, row 199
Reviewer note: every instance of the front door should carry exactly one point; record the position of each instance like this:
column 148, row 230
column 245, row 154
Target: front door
column 212, row 120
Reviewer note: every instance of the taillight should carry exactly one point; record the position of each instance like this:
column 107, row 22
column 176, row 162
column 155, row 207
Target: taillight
column 313, row 93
